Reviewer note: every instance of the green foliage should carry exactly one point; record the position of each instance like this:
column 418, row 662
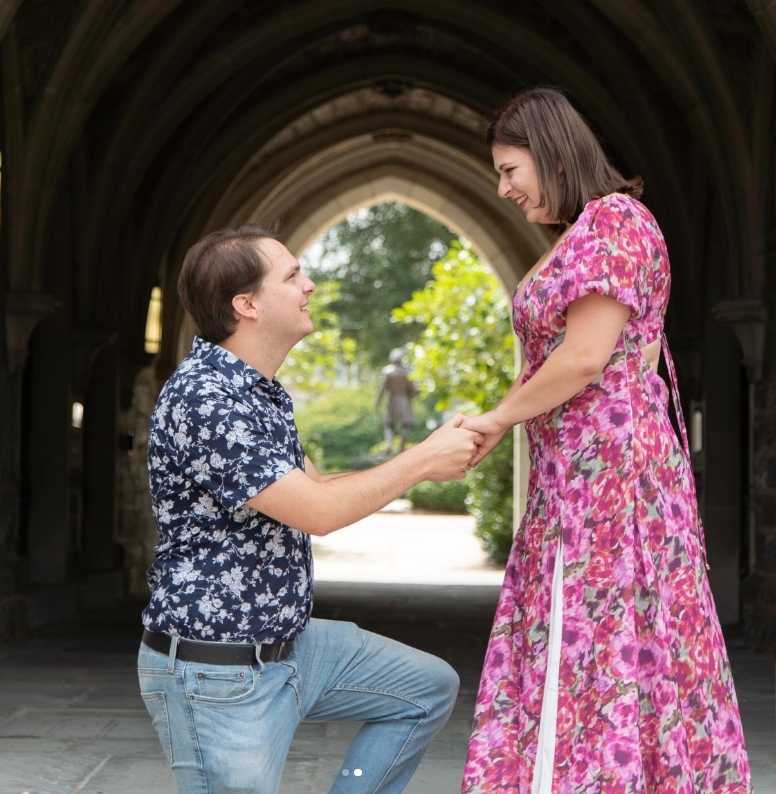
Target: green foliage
column 449, row 497
column 490, row 500
column 462, row 358
column 465, row 357
column 339, row 425
column 317, row 361
column 379, row 256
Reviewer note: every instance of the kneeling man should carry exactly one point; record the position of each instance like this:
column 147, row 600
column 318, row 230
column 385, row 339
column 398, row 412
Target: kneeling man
column 230, row 661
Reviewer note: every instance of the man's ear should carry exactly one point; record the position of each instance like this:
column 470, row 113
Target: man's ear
column 243, row 306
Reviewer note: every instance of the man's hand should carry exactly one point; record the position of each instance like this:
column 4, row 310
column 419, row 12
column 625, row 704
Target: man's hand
column 450, row 450
column 491, row 431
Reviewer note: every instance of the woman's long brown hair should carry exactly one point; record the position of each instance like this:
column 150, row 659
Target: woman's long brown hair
column 570, row 164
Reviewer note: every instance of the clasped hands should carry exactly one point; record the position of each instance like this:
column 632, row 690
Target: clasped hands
column 461, row 443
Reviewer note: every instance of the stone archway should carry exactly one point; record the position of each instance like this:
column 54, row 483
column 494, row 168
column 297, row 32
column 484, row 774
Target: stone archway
column 460, row 193
column 442, row 170
column 129, row 130
column 398, row 187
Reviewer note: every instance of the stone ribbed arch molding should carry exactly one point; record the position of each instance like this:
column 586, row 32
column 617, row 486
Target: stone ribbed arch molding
column 435, row 163
column 392, row 141
column 383, row 183
column 396, row 187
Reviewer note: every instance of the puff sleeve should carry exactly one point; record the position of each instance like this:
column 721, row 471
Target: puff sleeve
column 606, row 254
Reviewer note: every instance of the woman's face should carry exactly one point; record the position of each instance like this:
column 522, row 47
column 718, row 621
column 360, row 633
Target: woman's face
column 518, row 181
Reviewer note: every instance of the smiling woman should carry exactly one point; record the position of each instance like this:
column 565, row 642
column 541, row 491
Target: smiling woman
column 606, row 669
column 519, row 182
column 539, row 172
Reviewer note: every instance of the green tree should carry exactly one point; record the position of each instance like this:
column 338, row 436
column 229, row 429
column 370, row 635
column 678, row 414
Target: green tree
column 379, row 256
column 465, row 354
column 321, row 358
column 338, row 426
column 465, row 358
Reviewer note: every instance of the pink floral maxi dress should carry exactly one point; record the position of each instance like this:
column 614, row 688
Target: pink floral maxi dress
column 618, row 683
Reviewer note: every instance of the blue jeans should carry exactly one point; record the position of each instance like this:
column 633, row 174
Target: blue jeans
column 228, row 729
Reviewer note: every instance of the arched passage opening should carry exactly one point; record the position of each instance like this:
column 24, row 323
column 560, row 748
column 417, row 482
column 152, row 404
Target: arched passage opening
column 451, row 187
column 418, row 145
column 130, row 132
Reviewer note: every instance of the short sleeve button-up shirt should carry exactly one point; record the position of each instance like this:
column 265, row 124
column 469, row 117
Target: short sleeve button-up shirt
column 220, row 433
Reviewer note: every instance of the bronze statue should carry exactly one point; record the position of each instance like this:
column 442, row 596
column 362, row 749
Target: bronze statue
column 400, row 389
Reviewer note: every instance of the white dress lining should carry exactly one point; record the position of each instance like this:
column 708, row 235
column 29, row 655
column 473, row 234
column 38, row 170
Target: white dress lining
column 545, row 752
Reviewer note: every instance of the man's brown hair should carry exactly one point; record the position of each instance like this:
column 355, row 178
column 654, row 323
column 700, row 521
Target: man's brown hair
column 223, row 264
column 570, row 164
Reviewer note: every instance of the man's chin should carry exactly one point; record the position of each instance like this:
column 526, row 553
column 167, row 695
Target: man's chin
column 305, row 334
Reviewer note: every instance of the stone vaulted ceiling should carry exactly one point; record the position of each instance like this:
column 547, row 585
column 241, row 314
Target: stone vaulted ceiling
column 166, row 119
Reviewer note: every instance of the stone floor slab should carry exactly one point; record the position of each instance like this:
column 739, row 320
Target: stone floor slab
column 122, row 774
column 72, row 720
column 51, row 773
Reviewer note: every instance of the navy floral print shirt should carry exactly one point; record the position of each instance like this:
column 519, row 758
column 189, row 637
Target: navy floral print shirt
column 220, row 433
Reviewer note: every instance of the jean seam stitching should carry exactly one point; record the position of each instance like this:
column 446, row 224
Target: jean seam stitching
column 398, row 695
column 388, row 771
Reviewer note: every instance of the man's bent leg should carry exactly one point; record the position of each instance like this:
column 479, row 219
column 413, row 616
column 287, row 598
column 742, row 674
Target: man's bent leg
column 224, row 729
column 403, row 696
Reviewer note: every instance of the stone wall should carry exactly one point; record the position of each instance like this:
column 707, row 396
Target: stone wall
column 136, row 529
column 760, row 588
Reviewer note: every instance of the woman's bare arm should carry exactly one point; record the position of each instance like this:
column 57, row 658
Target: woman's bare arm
column 594, row 323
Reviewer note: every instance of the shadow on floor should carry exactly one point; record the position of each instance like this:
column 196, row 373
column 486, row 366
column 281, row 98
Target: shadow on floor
column 71, row 718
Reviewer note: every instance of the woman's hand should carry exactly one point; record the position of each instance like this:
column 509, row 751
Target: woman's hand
column 491, row 429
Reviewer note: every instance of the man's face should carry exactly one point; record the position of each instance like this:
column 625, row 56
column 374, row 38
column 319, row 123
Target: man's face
column 284, row 294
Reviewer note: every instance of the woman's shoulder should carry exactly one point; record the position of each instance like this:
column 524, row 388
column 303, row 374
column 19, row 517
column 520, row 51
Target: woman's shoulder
column 616, row 206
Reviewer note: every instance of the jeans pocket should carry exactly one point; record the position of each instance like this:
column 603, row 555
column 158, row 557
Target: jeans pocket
column 224, row 685
column 156, row 703
column 295, row 682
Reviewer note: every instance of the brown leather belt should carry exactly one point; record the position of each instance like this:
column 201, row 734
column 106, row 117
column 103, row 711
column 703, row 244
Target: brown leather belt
column 217, row 652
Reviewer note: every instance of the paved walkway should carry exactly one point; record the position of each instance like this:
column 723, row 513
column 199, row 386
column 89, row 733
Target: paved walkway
column 395, row 546
column 71, row 718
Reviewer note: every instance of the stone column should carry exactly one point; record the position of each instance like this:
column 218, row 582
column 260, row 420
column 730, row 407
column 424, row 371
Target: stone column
column 748, row 318
column 136, row 528
column 50, row 452
column 99, row 392
column 718, row 440
column 24, row 310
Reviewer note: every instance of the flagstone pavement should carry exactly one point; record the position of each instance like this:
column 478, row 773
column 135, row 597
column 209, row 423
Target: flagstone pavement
column 72, row 721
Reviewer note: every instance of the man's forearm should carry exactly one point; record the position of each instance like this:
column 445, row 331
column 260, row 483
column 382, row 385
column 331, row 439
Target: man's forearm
column 319, row 504
column 319, row 507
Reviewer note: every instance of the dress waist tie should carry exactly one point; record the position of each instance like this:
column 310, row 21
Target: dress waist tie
column 686, row 444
